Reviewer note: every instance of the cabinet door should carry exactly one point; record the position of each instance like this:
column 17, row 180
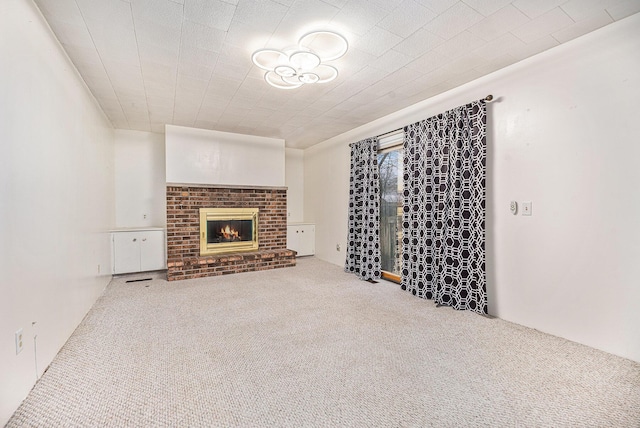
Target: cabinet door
column 292, row 238
column 306, row 240
column 126, row 252
column 152, row 250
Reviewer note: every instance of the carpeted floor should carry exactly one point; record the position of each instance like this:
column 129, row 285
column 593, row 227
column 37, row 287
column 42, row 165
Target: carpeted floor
column 313, row 346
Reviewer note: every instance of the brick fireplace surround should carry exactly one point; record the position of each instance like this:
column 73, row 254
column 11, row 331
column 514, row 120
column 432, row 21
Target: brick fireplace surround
column 183, row 226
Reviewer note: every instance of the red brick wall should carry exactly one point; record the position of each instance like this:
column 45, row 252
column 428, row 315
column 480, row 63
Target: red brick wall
column 183, row 230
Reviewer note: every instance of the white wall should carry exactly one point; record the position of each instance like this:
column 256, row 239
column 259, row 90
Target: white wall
column 56, row 198
column 563, row 134
column 140, row 179
column 294, row 180
column 201, row 156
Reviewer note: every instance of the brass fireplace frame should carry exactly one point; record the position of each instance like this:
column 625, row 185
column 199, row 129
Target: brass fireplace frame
column 221, row 214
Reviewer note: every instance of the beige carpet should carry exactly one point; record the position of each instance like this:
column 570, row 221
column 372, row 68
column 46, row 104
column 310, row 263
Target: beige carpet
column 313, row 346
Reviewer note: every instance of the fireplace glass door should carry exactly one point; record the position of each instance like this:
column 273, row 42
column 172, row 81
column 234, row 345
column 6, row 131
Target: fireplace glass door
column 226, row 230
column 229, row 231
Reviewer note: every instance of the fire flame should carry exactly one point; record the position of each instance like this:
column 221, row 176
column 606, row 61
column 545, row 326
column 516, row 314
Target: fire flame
column 229, row 233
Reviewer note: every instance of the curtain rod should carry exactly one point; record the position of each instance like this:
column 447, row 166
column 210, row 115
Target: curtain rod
column 487, row 99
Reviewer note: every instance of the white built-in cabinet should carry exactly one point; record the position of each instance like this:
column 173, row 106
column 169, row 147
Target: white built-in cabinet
column 137, row 250
column 301, row 237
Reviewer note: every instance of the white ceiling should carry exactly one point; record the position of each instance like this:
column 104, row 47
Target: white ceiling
column 187, row 62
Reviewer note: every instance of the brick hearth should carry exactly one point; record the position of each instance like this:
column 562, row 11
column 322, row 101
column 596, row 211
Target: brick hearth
column 183, row 230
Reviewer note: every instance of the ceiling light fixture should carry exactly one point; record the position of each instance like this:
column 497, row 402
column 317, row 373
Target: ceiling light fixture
column 293, row 67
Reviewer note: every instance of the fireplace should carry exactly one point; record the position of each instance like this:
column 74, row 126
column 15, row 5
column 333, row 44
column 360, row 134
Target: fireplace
column 228, row 230
column 184, row 232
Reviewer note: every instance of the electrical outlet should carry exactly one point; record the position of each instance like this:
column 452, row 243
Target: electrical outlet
column 19, row 344
column 337, row 247
column 526, row 208
column 144, row 216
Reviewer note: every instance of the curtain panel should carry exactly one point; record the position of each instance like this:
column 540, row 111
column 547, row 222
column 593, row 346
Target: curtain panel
column 363, row 246
column 443, row 246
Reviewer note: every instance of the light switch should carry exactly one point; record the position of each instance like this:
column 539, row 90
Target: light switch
column 526, row 208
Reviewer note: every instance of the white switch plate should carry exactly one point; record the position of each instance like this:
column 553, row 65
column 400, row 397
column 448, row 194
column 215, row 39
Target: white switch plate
column 526, row 208
column 19, row 344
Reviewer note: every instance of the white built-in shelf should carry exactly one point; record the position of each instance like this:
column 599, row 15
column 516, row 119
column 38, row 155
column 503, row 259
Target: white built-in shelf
column 301, row 237
column 136, row 229
column 137, row 249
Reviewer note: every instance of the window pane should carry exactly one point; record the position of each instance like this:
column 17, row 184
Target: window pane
column 390, row 165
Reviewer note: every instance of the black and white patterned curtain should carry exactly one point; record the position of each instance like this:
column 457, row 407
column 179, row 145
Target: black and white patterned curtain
column 443, row 227
column 363, row 246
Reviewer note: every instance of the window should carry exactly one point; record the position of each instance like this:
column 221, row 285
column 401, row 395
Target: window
column 390, row 164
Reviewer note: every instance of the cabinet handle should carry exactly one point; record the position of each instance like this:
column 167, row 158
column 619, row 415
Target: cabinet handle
column 135, row 239
column 144, row 239
column 297, row 231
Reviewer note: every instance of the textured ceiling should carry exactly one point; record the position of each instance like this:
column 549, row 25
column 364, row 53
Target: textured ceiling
column 187, row 62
